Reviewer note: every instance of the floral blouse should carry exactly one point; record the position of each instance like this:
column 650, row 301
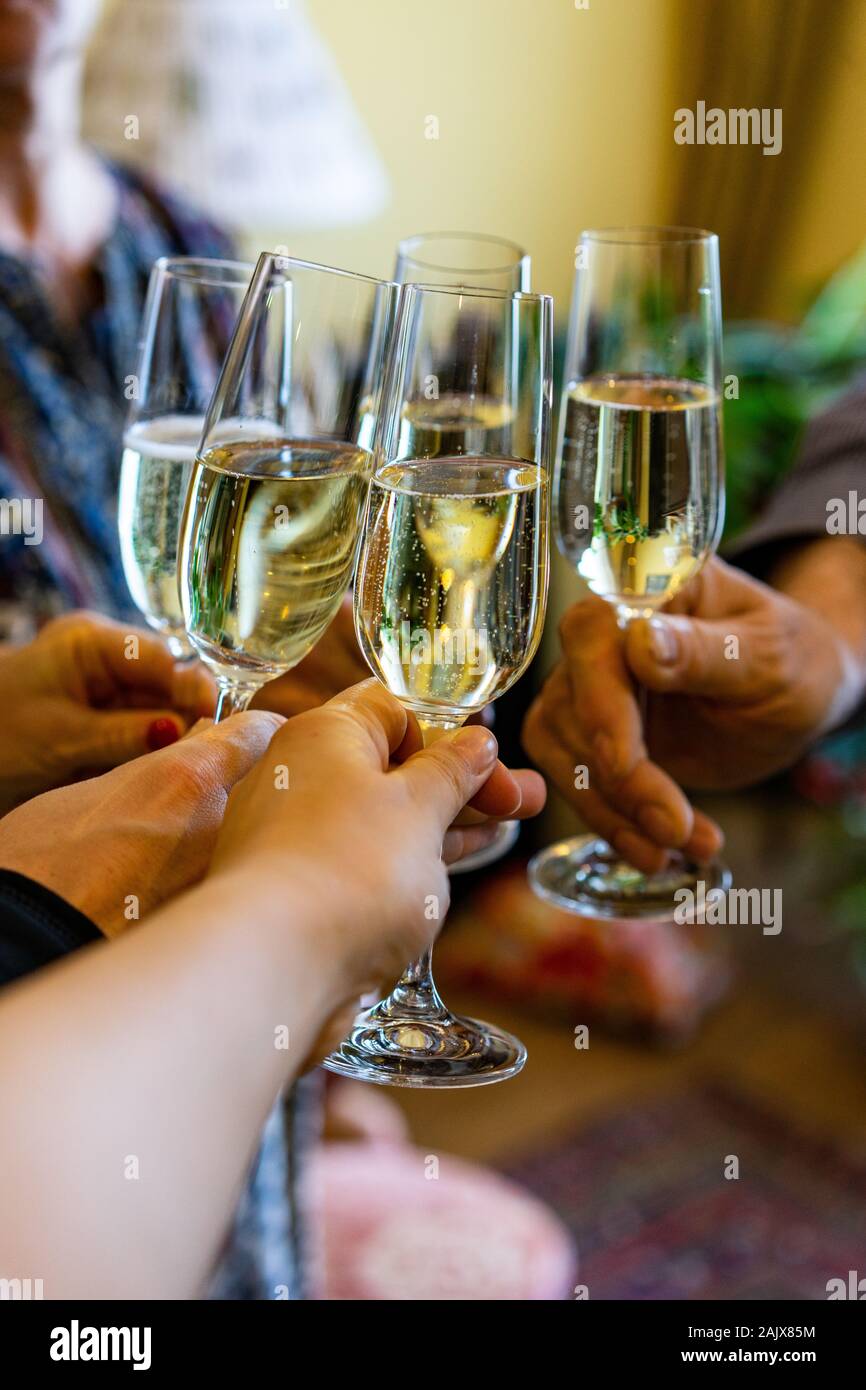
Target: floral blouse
column 62, row 404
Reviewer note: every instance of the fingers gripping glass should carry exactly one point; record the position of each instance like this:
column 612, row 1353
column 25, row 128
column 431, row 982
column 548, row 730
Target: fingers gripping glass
column 451, row 591
column 639, row 483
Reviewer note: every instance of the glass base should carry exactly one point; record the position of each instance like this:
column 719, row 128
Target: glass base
column 440, row 1049
column 585, row 876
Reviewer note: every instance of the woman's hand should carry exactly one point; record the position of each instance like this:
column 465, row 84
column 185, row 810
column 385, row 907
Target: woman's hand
column 742, row 679
column 86, row 695
column 327, row 878
column 118, row 845
column 347, row 809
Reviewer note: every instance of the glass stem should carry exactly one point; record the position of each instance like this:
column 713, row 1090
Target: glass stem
column 415, row 991
column 233, row 697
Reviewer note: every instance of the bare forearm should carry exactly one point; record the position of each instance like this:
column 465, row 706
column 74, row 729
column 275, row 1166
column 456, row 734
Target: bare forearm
column 134, row 1081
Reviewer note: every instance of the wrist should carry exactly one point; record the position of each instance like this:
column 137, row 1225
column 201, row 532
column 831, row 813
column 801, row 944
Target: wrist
column 293, row 921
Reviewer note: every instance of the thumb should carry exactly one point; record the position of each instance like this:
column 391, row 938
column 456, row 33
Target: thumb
column 231, row 748
column 695, row 657
column 446, row 775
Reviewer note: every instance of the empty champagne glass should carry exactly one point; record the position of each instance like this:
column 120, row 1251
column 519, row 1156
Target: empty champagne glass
column 451, row 590
column 189, row 315
column 639, row 483
column 278, row 489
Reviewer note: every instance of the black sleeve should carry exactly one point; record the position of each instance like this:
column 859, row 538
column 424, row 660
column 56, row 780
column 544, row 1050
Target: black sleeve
column 36, row 927
column 831, row 464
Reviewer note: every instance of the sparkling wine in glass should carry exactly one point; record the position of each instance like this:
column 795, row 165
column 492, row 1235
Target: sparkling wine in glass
column 450, row 594
column 638, row 490
column 277, row 494
column 189, row 315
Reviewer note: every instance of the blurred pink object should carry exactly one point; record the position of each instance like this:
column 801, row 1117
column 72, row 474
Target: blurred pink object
column 653, row 975
column 400, row 1225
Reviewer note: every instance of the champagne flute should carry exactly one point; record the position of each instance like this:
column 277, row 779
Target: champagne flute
column 471, row 259
column 475, row 261
column 189, row 315
column 275, row 503
column 639, row 486
column 451, row 591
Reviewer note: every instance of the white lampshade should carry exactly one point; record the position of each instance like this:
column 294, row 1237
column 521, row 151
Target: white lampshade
column 238, row 106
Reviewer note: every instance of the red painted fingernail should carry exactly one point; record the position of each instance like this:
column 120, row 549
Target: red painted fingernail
column 161, row 733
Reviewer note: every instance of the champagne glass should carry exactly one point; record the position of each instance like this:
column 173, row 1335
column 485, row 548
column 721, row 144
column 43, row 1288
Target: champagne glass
column 471, row 259
column 638, row 489
column 275, row 503
column 451, row 591
column 479, row 261
column 189, row 315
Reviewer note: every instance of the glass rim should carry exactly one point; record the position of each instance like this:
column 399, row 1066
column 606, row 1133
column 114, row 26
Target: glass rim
column 648, row 236
column 476, row 292
column 205, row 270
column 405, row 250
column 280, row 262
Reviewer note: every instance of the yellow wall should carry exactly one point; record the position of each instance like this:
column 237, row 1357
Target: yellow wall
column 830, row 221
column 554, row 118
column 543, row 111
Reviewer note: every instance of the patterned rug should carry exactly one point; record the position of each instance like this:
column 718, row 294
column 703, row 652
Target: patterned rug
column 645, row 1195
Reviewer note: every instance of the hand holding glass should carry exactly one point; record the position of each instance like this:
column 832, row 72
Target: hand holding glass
column 638, row 491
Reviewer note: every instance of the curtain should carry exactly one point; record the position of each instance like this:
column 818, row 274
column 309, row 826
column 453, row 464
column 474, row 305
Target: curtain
column 745, row 54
